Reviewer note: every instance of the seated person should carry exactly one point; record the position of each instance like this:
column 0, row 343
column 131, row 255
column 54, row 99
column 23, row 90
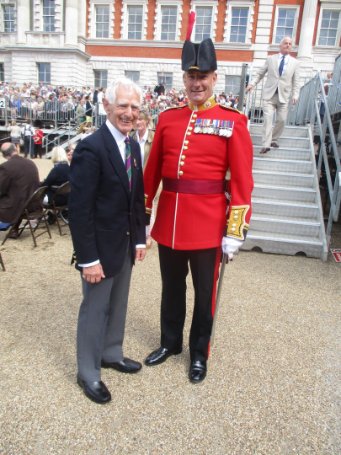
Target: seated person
column 58, row 175
column 19, row 179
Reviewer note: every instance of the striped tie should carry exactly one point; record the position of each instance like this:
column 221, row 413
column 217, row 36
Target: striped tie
column 128, row 159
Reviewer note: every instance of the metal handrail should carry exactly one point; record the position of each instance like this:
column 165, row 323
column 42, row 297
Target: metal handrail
column 60, row 132
column 308, row 111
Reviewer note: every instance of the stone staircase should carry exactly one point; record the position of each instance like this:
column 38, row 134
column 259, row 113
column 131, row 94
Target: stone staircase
column 287, row 214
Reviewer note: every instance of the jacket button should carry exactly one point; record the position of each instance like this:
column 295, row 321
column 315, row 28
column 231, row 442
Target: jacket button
column 181, row 172
column 128, row 233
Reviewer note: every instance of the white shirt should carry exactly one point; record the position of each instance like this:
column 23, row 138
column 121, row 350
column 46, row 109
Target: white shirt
column 142, row 141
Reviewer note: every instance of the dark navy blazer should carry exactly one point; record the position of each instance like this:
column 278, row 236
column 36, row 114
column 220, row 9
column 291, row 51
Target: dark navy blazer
column 105, row 217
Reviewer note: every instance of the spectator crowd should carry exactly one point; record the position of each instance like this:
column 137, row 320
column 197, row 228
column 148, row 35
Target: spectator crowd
column 62, row 104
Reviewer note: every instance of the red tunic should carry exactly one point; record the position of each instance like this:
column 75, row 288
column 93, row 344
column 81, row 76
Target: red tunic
column 187, row 146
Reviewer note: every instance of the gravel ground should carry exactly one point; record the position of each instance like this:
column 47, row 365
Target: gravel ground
column 273, row 383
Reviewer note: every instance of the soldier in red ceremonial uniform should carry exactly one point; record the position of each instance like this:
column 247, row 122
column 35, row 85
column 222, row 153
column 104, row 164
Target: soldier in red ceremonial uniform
column 193, row 148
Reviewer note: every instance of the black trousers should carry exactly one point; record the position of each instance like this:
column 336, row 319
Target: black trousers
column 174, row 266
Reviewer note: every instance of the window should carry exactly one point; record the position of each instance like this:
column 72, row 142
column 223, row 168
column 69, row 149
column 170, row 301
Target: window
column 101, row 78
column 286, row 23
column 9, row 18
column 166, row 79
column 135, row 16
column 44, row 72
column 168, row 23
column 2, row 72
column 232, row 85
column 203, row 23
column 133, row 75
column 102, row 21
column 329, row 27
column 239, row 23
column 49, row 15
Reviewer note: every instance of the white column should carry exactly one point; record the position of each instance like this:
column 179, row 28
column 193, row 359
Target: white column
column 23, row 20
column 71, row 22
column 307, row 30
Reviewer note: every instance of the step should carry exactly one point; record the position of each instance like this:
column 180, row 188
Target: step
column 286, row 142
column 284, row 193
column 284, row 153
column 283, row 178
column 270, row 242
column 289, row 131
column 261, row 206
column 280, row 165
column 279, row 225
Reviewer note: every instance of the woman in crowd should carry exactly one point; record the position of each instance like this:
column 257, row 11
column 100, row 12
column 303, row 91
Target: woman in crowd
column 15, row 133
column 58, row 175
column 144, row 135
column 38, row 140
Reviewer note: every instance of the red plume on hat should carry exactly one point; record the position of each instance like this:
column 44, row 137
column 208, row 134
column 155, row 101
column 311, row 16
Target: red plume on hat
column 191, row 20
column 200, row 57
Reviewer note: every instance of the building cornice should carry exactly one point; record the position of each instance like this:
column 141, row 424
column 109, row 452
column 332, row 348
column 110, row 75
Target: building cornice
column 161, row 44
column 54, row 50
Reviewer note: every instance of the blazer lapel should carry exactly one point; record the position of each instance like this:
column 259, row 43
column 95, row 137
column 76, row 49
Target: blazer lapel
column 115, row 157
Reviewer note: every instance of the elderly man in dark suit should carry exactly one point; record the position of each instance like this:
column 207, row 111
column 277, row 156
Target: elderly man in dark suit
column 107, row 222
column 19, row 179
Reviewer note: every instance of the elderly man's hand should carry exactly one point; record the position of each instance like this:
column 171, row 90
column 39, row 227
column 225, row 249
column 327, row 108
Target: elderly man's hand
column 140, row 254
column 93, row 274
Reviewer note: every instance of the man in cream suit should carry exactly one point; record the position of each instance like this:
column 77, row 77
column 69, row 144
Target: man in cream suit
column 282, row 81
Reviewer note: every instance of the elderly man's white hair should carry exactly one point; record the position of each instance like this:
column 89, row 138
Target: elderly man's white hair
column 285, row 38
column 126, row 84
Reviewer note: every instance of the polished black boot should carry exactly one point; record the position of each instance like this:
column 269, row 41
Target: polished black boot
column 160, row 355
column 197, row 371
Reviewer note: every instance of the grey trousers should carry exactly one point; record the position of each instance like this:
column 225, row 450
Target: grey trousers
column 101, row 322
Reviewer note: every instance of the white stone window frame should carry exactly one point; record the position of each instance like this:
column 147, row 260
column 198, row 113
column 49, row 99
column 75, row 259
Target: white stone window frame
column 92, row 17
column 294, row 31
column 206, row 3
column 124, row 23
column 329, row 6
column 2, row 15
column 38, row 23
column 158, row 19
column 227, row 31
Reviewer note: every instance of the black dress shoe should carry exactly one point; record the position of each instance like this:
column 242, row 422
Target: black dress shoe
column 124, row 366
column 197, row 371
column 274, row 144
column 264, row 150
column 96, row 391
column 160, row 355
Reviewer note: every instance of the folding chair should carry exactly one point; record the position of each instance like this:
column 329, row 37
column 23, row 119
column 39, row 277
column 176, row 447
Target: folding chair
column 33, row 216
column 60, row 211
column 2, row 263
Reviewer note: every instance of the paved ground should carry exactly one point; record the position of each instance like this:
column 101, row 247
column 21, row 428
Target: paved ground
column 273, row 385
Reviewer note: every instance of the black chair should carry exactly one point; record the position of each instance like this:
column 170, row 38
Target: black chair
column 59, row 206
column 2, row 263
column 33, row 216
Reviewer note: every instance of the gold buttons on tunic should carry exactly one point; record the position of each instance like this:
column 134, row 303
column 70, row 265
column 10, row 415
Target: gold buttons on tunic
column 182, row 163
column 181, row 172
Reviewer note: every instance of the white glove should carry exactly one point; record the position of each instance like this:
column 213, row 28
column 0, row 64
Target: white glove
column 230, row 246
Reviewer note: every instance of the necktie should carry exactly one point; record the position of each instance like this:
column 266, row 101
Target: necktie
column 281, row 66
column 128, row 159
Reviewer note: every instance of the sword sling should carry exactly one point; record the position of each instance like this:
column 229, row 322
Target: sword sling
column 219, row 289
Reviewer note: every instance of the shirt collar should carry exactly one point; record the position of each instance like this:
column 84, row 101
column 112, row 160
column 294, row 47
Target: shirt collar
column 118, row 136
